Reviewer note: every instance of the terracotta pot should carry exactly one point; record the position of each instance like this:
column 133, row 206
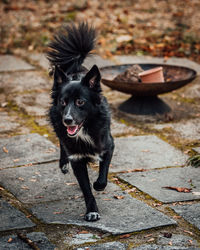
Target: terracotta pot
column 152, row 75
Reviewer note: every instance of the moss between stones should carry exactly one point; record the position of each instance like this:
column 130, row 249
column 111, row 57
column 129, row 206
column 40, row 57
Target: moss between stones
column 29, row 121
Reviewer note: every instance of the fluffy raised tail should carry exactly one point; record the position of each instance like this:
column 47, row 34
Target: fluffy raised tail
column 71, row 46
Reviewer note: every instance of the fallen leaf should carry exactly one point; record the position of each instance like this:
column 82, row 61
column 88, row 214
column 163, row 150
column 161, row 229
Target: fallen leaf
column 188, row 232
column 1, row 188
column 177, row 217
column 148, row 235
column 76, row 197
column 21, row 179
column 83, row 232
column 179, row 189
column 5, row 150
column 124, row 38
column 167, row 235
column 124, row 236
column 114, row 179
column 134, row 170
column 33, row 180
column 25, row 188
column 39, row 197
column 56, row 212
column 71, row 183
column 50, row 150
column 4, row 104
column 118, row 197
column 15, row 160
column 130, row 190
column 28, row 165
column 28, row 216
column 170, row 243
column 150, row 240
column 106, row 199
column 10, row 240
column 145, row 150
column 157, row 204
column 190, row 241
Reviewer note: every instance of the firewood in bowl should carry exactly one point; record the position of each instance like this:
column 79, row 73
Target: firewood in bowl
column 130, row 75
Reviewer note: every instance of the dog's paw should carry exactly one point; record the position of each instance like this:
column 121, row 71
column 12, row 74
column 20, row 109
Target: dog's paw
column 92, row 216
column 99, row 186
column 65, row 168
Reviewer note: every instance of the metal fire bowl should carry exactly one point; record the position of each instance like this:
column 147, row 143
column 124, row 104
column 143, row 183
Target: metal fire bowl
column 175, row 77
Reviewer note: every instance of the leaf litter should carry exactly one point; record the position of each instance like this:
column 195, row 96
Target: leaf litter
column 179, row 189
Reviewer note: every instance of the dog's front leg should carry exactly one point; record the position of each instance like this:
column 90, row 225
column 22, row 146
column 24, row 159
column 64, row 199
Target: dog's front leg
column 101, row 182
column 64, row 162
column 81, row 173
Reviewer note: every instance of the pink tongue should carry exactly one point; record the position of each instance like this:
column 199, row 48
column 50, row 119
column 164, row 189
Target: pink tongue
column 72, row 129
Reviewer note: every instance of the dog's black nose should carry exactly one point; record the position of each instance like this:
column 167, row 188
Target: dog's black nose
column 68, row 120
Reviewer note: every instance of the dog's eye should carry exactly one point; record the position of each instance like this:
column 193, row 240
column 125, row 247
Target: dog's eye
column 62, row 102
column 79, row 102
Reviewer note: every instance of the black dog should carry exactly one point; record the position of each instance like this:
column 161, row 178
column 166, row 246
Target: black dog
column 79, row 113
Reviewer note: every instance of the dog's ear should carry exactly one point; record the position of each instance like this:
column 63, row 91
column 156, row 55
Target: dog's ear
column 92, row 79
column 59, row 76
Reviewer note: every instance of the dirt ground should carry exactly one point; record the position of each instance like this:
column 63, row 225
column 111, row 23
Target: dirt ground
column 156, row 27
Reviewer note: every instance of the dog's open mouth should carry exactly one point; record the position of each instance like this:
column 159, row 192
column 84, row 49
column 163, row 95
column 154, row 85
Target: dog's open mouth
column 73, row 130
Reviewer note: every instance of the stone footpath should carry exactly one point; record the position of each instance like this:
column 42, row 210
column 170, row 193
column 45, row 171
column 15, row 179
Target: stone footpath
column 138, row 208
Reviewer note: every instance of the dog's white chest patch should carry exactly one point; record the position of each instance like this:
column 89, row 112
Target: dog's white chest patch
column 85, row 137
column 88, row 140
column 76, row 157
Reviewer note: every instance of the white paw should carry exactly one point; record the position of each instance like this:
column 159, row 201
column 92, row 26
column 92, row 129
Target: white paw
column 92, row 216
column 65, row 168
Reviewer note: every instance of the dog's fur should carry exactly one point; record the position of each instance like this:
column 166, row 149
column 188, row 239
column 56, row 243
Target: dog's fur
column 79, row 113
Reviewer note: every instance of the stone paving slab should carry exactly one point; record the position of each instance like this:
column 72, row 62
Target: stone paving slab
column 43, row 121
column 178, row 240
column 98, row 60
column 105, row 246
column 197, row 149
column 43, row 182
column 190, row 212
column 189, row 129
column 7, row 123
column 82, row 238
column 152, row 183
column 88, row 63
column 39, row 239
column 118, row 216
column 157, row 247
column 119, row 129
column 40, row 59
column 193, row 90
column 26, row 149
column 159, row 60
column 11, row 218
column 24, row 81
column 146, row 152
column 13, row 63
column 31, row 103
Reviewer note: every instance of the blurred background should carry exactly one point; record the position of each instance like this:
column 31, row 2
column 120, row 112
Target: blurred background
column 140, row 27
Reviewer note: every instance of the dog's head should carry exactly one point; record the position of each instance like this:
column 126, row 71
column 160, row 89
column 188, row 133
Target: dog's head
column 77, row 97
